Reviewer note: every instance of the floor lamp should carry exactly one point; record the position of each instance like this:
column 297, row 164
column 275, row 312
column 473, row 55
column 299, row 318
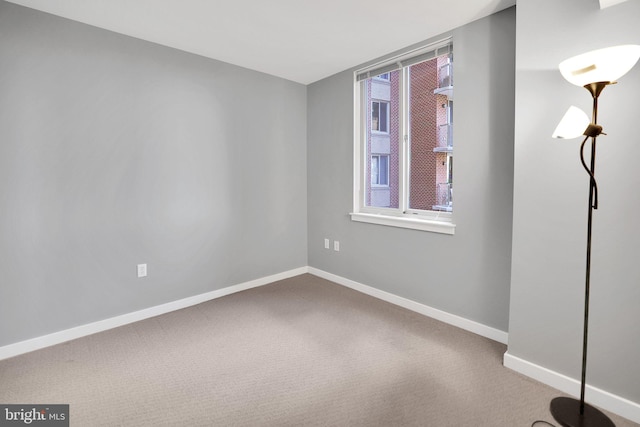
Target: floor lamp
column 594, row 71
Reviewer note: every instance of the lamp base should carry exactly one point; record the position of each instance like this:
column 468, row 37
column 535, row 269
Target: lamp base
column 566, row 411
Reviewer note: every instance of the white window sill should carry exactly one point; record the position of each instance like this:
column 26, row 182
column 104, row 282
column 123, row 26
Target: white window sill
column 405, row 222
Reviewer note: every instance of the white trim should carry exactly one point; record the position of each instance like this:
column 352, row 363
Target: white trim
column 405, row 222
column 593, row 395
column 27, row 346
column 359, row 183
column 425, row 310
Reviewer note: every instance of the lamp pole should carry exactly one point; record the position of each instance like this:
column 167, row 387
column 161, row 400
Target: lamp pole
column 569, row 412
column 593, row 204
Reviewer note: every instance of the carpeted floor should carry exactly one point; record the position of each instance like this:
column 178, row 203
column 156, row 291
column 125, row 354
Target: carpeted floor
column 302, row 351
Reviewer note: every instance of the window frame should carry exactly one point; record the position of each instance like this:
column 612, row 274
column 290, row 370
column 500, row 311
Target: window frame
column 403, row 217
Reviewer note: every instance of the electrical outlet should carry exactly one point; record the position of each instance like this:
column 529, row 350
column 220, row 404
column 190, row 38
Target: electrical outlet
column 326, row 243
column 142, row 270
column 336, row 246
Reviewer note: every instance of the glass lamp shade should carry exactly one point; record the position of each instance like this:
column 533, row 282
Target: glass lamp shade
column 602, row 65
column 574, row 123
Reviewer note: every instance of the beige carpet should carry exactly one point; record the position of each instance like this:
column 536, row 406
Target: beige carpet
column 302, row 351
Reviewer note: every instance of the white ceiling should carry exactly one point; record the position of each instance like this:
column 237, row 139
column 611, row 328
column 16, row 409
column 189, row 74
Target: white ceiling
column 299, row 40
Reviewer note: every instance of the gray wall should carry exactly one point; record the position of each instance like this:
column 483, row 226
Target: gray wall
column 550, row 206
column 114, row 152
column 466, row 274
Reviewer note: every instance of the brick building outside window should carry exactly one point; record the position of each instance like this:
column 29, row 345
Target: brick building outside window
column 424, row 130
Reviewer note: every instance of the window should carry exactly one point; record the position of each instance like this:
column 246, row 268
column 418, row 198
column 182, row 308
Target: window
column 404, row 141
column 380, row 170
column 380, row 116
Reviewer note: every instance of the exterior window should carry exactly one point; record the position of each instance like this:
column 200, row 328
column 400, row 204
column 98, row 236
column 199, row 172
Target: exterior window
column 404, row 141
column 380, row 170
column 380, row 116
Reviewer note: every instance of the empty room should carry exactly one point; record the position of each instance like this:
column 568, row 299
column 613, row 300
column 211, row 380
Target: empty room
column 248, row 213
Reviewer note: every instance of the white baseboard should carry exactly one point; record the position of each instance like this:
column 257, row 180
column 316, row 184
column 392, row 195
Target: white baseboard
column 593, row 395
column 603, row 399
column 37, row 343
column 443, row 316
column 27, row 346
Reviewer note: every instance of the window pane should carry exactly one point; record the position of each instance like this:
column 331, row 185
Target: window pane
column 375, row 116
column 383, row 170
column 382, row 105
column 379, row 169
column 379, row 115
column 384, row 118
column 375, row 171
column 431, row 137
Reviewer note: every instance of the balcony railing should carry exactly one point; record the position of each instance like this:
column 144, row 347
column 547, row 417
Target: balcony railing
column 444, row 197
column 445, row 137
column 445, row 75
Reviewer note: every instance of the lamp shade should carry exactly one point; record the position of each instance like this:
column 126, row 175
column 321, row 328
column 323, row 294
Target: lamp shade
column 573, row 124
column 602, row 65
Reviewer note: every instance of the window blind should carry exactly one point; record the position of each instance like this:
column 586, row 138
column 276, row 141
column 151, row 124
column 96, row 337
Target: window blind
column 441, row 48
